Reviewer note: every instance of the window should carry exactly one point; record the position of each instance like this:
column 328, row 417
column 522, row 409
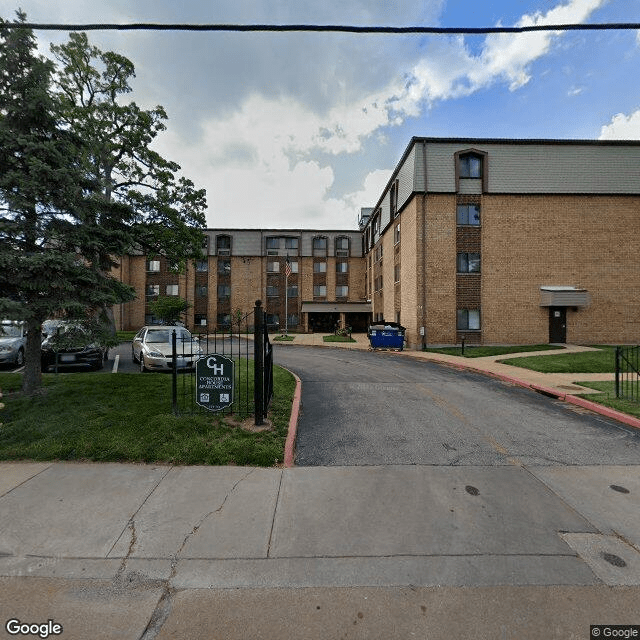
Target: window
column 273, row 245
column 396, row 273
column 292, row 320
column 294, row 266
column 224, row 267
column 200, row 320
column 224, row 291
column 153, row 265
column 376, row 227
column 153, row 290
column 393, row 199
column 273, row 267
column 319, row 246
column 205, row 242
column 396, row 234
column 292, row 292
column 342, row 247
column 342, row 267
column 468, row 214
column 172, row 289
column 342, row 291
column 468, row 263
column 291, row 244
column 273, row 319
column 223, row 245
column 272, row 291
column 202, row 265
column 319, row 267
column 319, row 291
column 468, row 319
column 224, row 319
column 470, row 166
column 202, row 290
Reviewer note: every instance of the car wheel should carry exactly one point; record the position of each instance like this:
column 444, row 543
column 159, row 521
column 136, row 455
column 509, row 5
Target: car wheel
column 20, row 358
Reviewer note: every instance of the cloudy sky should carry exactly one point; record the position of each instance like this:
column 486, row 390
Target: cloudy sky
column 300, row 130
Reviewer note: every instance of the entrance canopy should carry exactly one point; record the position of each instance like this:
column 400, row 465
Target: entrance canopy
column 336, row 307
column 562, row 296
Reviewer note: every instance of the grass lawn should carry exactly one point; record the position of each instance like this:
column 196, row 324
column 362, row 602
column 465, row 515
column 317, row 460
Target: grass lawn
column 283, row 338
column 608, row 397
column 128, row 418
column 338, row 339
column 602, row 361
column 479, row 352
column 125, row 336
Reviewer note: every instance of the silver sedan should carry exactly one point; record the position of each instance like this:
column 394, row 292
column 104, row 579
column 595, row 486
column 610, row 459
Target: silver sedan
column 152, row 348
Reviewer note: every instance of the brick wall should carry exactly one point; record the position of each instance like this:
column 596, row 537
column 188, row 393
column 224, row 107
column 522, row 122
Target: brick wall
column 441, row 269
column 586, row 241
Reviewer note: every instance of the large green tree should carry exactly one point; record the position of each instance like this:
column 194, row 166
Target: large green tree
column 164, row 211
column 79, row 185
column 44, row 199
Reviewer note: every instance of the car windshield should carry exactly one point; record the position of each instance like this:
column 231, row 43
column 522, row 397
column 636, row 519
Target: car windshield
column 10, row 331
column 162, row 335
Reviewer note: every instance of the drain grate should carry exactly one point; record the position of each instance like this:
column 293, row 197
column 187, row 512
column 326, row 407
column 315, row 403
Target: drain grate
column 471, row 490
column 613, row 559
column 618, row 488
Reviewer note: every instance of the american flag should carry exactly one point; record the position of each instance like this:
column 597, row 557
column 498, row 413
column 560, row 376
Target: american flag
column 287, row 268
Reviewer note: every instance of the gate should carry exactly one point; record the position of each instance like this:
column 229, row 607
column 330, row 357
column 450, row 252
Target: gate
column 628, row 373
column 246, row 343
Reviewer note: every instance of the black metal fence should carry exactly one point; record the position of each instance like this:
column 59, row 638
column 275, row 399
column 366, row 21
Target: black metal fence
column 628, row 373
column 246, row 343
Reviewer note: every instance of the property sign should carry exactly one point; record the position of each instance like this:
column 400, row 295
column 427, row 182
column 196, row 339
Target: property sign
column 214, row 382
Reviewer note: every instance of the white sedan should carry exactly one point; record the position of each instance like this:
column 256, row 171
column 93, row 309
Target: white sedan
column 152, row 348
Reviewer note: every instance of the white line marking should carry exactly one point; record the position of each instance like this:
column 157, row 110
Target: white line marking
column 116, row 360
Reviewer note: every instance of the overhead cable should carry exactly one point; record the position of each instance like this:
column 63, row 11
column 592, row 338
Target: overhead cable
column 331, row 28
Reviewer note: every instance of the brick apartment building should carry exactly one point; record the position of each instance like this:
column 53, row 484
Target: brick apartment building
column 491, row 241
column 325, row 287
column 509, row 242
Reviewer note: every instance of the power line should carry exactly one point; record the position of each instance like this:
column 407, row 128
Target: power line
column 145, row 26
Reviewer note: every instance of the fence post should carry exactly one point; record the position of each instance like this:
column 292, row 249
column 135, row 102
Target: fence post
column 258, row 359
column 174, row 373
column 618, row 350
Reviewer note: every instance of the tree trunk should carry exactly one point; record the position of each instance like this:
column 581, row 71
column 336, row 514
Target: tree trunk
column 32, row 376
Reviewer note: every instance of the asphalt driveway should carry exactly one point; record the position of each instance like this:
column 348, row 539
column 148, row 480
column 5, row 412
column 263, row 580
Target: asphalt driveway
column 376, row 408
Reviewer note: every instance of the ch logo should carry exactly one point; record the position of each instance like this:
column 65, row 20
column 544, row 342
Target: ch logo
column 218, row 369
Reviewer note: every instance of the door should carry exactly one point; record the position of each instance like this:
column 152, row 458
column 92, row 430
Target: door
column 557, row 324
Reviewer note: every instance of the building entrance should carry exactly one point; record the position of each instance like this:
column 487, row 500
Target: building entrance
column 557, row 324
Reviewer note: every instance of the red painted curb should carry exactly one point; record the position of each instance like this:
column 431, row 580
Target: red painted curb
column 605, row 411
column 289, row 447
column 587, row 404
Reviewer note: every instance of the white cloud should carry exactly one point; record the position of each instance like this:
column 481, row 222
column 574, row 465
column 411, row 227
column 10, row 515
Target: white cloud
column 622, row 127
column 263, row 154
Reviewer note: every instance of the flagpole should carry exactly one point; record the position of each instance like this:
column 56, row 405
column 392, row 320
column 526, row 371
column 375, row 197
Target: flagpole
column 286, row 296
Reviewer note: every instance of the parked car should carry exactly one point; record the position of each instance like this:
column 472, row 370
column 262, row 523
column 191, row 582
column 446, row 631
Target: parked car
column 13, row 342
column 152, row 348
column 72, row 345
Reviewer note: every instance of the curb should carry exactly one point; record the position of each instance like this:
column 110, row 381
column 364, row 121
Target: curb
column 289, row 447
column 553, row 393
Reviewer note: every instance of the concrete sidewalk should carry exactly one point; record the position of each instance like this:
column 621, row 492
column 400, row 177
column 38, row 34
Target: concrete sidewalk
column 146, row 551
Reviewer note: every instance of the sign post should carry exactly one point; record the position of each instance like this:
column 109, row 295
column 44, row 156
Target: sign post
column 214, row 382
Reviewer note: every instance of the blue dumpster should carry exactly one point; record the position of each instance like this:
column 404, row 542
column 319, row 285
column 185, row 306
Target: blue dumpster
column 388, row 335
